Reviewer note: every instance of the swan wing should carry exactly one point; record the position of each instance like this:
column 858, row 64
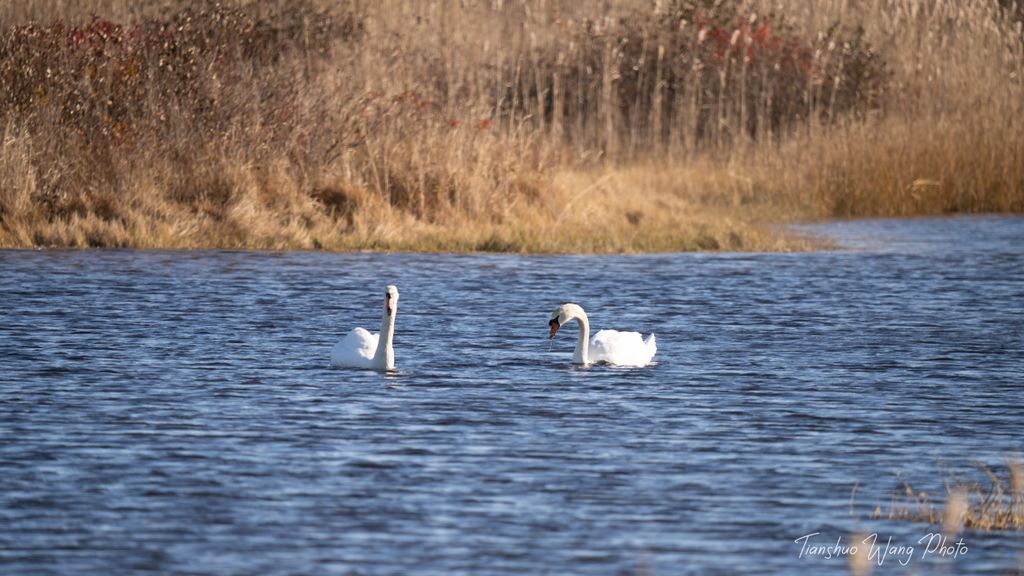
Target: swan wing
column 622, row 348
column 355, row 349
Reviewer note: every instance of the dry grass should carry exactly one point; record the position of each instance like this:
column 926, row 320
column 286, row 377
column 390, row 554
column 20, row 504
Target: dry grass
column 998, row 506
column 500, row 125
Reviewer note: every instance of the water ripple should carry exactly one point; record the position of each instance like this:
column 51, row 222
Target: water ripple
column 173, row 412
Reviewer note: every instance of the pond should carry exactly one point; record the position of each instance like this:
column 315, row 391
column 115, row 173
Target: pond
column 175, row 412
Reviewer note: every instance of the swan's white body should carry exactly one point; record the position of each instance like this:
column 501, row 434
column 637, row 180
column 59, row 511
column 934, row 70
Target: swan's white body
column 610, row 346
column 361, row 349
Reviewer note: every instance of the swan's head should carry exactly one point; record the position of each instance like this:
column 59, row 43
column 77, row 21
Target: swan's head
column 391, row 299
column 563, row 314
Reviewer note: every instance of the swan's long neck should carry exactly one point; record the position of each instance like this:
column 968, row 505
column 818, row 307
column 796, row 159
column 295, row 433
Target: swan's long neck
column 384, row 357
column 582, row 353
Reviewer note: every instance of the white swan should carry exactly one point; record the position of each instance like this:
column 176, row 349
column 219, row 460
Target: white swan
column 360, row 349
column 611, row 346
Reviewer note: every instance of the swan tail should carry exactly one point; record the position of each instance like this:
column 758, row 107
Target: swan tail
column 652, row 345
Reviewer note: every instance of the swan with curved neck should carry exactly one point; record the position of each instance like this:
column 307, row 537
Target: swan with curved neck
column 608, row 346
column 361, row 349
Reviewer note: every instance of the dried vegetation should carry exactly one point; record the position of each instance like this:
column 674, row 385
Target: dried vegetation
column 504, row 125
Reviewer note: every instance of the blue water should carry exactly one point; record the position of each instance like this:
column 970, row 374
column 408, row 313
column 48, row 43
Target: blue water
column 174, row 412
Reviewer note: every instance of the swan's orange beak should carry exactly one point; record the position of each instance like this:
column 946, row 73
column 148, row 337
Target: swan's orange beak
column 554, row 327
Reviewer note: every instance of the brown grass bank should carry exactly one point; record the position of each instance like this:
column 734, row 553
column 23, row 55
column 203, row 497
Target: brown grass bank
column 500, row 125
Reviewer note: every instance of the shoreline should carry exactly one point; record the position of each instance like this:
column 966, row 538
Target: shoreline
column 813, row 242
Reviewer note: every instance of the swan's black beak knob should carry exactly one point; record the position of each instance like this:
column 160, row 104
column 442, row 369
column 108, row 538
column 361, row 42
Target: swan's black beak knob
column 387, row 305
column 554, row 327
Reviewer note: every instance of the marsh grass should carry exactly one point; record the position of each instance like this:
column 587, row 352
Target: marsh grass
column 500, row 125
column 999, row 505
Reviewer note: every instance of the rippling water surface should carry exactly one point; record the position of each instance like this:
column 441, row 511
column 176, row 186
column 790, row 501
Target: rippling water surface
column 174, row 412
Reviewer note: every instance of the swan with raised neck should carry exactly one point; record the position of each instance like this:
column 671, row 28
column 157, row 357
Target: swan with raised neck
column 361, row 349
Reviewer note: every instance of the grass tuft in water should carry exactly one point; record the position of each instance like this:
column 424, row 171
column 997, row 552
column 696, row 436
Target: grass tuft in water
column 967, row 505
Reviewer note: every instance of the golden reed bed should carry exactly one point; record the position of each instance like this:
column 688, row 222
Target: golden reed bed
column 500, row 125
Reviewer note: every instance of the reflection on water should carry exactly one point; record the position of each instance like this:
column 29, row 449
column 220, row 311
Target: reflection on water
column 174, row 412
